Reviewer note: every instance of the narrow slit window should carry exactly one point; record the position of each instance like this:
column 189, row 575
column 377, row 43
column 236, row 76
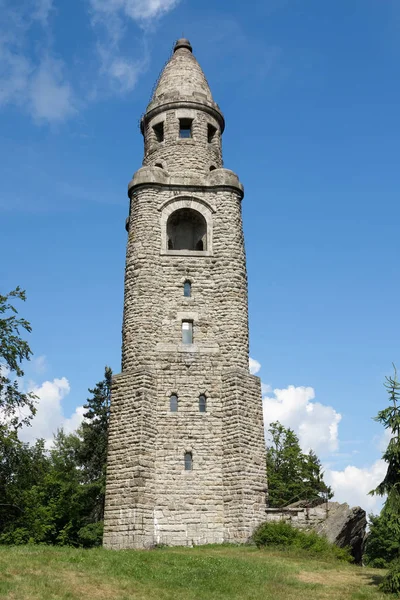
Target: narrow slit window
column 188, row 461
column 211, row 133
column 187, row 332
column 202, row 403
column 185, row 128
column 159, row 131
column 173, row 403
column 187, row 289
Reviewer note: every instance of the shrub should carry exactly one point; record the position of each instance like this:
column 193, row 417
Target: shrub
column 284, row 535
column 274, row 534
column 91, row 535
column 391, row 582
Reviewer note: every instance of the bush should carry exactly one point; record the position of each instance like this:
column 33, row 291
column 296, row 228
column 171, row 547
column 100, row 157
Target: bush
column 284, row 535
column 91, row 535
column 391, row 582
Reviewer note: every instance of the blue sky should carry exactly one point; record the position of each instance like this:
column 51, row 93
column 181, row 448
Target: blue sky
column 310, row 92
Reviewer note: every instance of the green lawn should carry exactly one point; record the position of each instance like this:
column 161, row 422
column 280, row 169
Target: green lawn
column 203, row 573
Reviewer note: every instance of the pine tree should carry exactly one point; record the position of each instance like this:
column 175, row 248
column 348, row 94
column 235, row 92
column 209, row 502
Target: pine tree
column 390, row 419
column 387, row 524
column 92, row 453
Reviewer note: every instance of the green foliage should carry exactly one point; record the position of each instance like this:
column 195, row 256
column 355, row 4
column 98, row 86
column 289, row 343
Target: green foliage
column 383, row 542
column 91, row 535
column 282, row 535
column 57, row 496
column 13, row 350
column 391, row 582
column 292, row 475
column 381, row 546
column 93, row 433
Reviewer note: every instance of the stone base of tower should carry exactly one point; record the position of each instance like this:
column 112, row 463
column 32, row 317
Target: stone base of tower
column 150, row 499
column 244, row 467
column 130, row 497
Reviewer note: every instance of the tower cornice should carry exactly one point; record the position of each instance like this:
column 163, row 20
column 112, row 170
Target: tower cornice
column 155, row 177
column 211, row 110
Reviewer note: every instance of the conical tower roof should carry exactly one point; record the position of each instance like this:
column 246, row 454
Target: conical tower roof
column 182, row 80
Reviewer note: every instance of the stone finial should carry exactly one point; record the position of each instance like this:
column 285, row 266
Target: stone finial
column 183, row 43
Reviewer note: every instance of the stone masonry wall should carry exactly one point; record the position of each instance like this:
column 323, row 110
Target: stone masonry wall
column 302, row 518
column 244, row 469
column 150, row 497
column 183, row 156
column 130, row 494
column 154, row 304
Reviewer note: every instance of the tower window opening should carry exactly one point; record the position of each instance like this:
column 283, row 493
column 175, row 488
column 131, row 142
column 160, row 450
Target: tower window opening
column 185, row 128
column 202, row 403
column 187, row 289
column 212, row 168
column 186, row 230
column 187, row 332
column 188, row 461
column 159, row 165
column 173, row 403
column 211, row 133
column 159, row 131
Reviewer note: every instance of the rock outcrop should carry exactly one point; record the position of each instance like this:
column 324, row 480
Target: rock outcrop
column 340, row 524
column 345, row 526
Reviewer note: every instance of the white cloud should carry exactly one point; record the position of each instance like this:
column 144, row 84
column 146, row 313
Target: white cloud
column 39, row 364
column 51, row 96
column 265, row 388
column 110, row 17
column 38, row 83
column 50, row 414
column 383, row 440
column 121, row 72
column 43, row 9
column 353, row 484
column 29, row 77
column 254, row 366
column 316, row 424
column 138, row 10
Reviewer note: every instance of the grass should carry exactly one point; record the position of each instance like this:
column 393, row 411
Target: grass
column 202, row 573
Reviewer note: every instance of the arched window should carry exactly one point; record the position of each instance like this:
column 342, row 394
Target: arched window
column 188, row 461
column 212, row 168
column 202, row 403
column 186, row 230
column 173, row 403
column 159, row 165
column 187, row 289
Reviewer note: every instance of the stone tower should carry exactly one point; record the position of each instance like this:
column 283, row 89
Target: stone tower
column 186, row 462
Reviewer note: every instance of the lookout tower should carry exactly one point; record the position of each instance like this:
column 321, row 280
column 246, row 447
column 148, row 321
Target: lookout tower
column 186, row 460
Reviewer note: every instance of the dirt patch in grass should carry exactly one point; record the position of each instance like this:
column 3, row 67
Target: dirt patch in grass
column 84, row 587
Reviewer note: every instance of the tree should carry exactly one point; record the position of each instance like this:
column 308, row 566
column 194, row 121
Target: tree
column 56, row 496
column 383, row 539
column 92, row 453
column 292, row 475
column 13, row 350
column 390, row 486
